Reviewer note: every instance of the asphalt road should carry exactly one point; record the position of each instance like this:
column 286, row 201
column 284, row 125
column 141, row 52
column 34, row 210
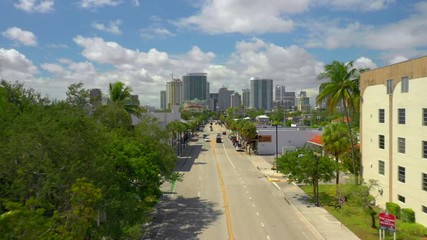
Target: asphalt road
column 224, row 196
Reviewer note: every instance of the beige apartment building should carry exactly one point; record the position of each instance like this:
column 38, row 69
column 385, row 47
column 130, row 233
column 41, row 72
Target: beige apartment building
column 394, row 134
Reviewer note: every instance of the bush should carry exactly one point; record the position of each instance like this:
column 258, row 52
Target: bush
column 393, row 208
column 413, row 229
column 408, row 215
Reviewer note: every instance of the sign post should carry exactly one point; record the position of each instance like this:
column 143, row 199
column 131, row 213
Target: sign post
column 387, row 222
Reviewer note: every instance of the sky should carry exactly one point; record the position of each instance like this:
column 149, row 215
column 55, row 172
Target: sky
column 49, row 44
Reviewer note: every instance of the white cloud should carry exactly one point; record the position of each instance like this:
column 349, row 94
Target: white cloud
column 98, row 3
column 363, row 63
column 153, row 33
column 112, row 27
column 18, row 35
column 356, row 5
column 244, row 16
column 35, row 6
column 14, row 66
column 397, row 59
column 406, row 34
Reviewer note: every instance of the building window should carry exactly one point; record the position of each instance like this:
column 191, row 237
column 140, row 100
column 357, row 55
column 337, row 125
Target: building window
column 401, row 145
column 390, row 86
column 424, row 209
column 401, row 198
column 381, row 167
column 424, row 149
column 424, row 116
column 405, row 84
column 264, row 138
column 424, row 181
column 381, row 114
column 401, row 174
column 401, row 117
column 381, row 141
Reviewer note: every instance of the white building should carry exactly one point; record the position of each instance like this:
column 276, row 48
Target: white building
column 393, row 134
column 287, row 138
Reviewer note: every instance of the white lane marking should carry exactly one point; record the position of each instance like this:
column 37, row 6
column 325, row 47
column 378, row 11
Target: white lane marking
column 277, row 186
column 268, row 237
column 226, row 154
column 250, row 198
column 257, row 213
column 262, row 224
column 198, row 194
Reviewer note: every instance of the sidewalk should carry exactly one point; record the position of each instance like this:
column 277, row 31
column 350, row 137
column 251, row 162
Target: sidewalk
column 324, row 224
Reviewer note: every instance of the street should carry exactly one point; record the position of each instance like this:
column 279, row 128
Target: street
column 224, row 196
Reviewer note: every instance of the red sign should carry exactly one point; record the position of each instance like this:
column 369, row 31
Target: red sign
column 387, row 221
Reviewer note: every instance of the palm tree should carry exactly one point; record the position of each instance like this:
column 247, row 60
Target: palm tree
column 121, row 95
column 336, row 141
column 342, row 87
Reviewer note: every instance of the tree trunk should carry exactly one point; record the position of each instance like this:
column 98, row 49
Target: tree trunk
column 351, row 140
column 338, row 170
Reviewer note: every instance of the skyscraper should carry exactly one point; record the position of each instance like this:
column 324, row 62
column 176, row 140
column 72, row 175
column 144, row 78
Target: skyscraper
column 195, row 86
column 246, row 98
column 261, row 94
column 224, row 98
column 163, row 99
column 279, row 92
column 173, row 93
column 236, row 100
column 303, row 102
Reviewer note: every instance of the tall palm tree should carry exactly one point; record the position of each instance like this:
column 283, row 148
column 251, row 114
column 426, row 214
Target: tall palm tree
column 121, row 95
column 336, row 141
column 342, row 87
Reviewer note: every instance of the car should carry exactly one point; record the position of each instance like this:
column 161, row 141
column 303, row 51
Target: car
column 224, row 133
column 207, row 139
column 239, row 148
column 205, row 135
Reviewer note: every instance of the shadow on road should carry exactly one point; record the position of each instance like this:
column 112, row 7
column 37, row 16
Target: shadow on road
column 181, row 218
column 186, row 161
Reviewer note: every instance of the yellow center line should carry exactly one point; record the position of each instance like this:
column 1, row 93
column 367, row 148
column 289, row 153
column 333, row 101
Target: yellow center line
column 224, row 195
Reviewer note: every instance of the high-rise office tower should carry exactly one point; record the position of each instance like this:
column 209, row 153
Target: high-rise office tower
column 196, row 86
column 236, row 100
column 163, row 99
column 303, row 102
column 261, row 95
column 224, row 99
column 174, row 94
column 213, row 102
column 279, row 92
column 246, row 98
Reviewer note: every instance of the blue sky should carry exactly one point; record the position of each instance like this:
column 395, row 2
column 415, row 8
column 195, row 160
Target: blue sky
column 50, row 44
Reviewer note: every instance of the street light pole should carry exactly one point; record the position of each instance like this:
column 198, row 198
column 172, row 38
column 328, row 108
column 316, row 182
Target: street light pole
column 277, row 144
column 317, row 181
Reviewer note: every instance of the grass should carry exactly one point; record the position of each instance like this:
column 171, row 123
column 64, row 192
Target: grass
column 354, row 217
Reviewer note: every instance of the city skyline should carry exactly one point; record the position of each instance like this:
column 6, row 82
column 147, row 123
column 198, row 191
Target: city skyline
column 48, row 44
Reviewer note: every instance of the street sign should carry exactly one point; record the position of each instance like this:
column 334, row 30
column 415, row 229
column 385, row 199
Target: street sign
column 341, row 200
column 387, row 221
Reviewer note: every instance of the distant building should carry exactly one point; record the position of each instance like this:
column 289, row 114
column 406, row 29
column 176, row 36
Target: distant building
column 393, row 134
column 303, row 102
column 213, row 102
column 174, row 93
column 195, row 105
column 279, row 92
column 134, row 99
column 163, row 100
column 196, row 86
column 224, row 99
column 95, row 97
column 246, row 98
column 261, row 94
column 236, row 100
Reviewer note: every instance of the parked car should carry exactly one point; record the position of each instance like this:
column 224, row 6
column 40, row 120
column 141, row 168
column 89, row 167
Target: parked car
column 205, row 135
column 207, row 139
column 224, row 133
column 239, row 148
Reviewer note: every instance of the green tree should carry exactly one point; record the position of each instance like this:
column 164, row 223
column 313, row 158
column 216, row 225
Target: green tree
column 336, row 141
column 278, row 114
column 342, row 87
column 77, row 95
column 121, row 96
column 300, row 166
